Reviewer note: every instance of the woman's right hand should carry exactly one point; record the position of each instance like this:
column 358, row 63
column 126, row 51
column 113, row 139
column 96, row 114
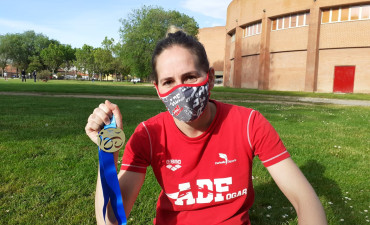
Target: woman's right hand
column 101, row 116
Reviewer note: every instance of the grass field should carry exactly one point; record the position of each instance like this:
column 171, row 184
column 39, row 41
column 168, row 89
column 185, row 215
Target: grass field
column 48, row 165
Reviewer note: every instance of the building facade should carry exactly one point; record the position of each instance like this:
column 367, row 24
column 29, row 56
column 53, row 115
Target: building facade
column 213, row 40
column 298, row 45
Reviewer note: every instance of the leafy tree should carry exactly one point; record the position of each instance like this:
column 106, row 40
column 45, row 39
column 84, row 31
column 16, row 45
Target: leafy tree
column 103, row 61
column 142, row 29
column 16, row 53
column 35, row 64
column 85, row 59
column 4, row 52
column 69, row 56
column 21, row 49
column 53, row 56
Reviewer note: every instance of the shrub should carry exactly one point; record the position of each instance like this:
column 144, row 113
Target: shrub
column 44, row 75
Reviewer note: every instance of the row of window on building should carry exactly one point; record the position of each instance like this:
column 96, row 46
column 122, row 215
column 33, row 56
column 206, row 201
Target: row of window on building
column 347, row 13
column 252, row 29
column 332, row 15
column 290, row 21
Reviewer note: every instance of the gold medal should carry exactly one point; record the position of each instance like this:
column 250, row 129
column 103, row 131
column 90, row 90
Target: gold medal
column 111, row 139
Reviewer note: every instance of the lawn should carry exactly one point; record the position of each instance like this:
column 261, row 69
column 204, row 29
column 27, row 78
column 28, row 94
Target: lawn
column 49, row 166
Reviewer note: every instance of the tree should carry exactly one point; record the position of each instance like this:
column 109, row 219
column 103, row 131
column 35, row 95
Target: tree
column 69, row 56
column 141, row 31
column 21, row 49
column 35, row 64
column 103, row 61
column 4, row 52
column 85, row 59
column 53, row 56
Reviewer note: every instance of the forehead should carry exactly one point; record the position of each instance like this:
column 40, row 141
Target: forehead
column 174, row 61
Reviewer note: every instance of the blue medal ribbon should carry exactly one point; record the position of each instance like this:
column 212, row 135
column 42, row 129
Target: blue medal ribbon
column 109, row 180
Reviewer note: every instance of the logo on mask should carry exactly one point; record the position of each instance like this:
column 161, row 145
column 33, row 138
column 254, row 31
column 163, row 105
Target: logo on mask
column 177, row 110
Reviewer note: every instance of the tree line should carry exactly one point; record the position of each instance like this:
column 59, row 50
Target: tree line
column 139, row 33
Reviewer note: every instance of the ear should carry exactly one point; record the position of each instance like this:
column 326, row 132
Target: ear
column 211, row 78
column 156, row 88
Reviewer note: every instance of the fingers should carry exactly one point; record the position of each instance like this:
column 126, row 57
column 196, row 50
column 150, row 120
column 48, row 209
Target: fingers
column 100, row 116
column 103, row 113
column 116, row 112
column 92, row 128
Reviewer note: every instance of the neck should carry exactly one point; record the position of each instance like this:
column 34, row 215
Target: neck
column 197, row 127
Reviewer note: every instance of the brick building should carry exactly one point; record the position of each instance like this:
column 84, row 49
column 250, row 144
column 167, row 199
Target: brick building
column 213, row 39
column 298, row 45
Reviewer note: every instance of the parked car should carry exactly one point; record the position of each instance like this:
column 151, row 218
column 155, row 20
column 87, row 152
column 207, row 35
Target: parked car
column 135, row 80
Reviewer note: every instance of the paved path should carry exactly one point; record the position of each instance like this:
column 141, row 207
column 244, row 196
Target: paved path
column 277, row 99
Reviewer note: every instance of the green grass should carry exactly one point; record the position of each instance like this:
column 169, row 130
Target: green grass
column 126, row 88
column 48, row 165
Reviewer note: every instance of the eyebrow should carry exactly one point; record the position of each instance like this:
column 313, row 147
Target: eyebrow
column 195, row 72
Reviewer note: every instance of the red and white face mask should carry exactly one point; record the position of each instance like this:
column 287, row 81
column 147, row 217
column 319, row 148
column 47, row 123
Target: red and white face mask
column 186, row 102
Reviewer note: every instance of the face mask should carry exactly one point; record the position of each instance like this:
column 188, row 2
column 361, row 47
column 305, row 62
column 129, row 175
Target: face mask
column 186, row 102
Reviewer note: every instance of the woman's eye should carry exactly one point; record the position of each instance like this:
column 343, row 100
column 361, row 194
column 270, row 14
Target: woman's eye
column 167, row 83
column 190, row 79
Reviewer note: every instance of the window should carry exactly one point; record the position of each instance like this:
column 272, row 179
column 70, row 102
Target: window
column 344, row 13
column 293, row 21
column 274, row 24
column 252, row 29
column 307, row 19
column 300, row 20
column 260, row 28
column 334, row 15
column 325, row 16
column 280, row 23
column 233, row 37
column 355, row 13
column 286, row 22
column 365, row 12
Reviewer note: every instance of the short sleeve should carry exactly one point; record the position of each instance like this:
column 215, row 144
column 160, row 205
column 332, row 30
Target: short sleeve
column 136, row 156
column 265, row 141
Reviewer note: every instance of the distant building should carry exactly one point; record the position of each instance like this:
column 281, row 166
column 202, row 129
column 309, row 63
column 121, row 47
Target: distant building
column 298, row 45
column 213, row 39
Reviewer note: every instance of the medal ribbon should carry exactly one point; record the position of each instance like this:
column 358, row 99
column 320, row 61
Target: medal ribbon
column 109, row 179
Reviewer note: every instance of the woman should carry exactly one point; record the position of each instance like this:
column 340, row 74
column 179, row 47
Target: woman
column 201, row 150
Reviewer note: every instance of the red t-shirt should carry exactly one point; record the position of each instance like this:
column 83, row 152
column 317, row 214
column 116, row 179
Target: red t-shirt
column 207, row 179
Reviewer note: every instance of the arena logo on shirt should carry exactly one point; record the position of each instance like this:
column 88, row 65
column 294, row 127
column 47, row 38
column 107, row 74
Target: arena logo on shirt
column 173, row 164
column 226, row 160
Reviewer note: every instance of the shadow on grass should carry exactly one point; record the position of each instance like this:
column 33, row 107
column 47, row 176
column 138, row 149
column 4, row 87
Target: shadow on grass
column 271, row 206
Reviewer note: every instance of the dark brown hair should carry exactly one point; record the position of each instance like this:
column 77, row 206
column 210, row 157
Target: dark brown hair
column 180, row 38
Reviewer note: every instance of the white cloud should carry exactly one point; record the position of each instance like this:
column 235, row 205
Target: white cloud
column 212, row 8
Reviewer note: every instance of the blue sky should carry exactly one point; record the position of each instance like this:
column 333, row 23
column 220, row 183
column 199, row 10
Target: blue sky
column 78, row 22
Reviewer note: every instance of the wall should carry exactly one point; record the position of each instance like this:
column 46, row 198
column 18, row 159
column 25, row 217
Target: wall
column 345, row 34
column 250, row 72
column 329, row 58
column 213, row 40
column 287, row 71
column 289, row 39
column 295, row 59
